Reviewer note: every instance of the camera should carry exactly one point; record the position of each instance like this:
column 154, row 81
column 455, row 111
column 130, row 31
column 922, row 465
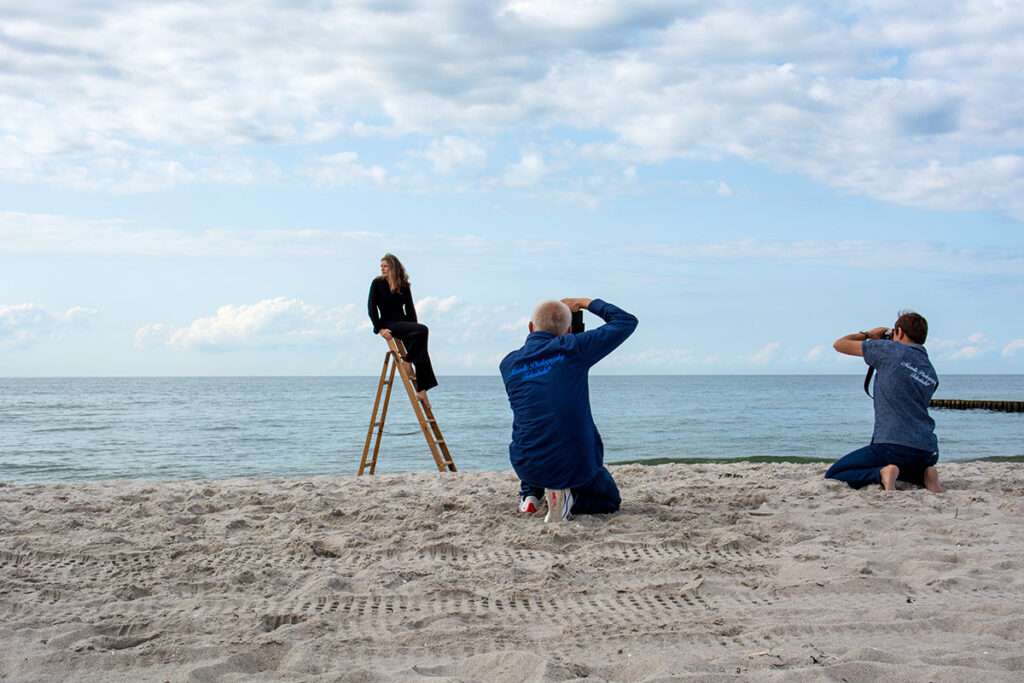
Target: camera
column 577, row 322
column 887, row 335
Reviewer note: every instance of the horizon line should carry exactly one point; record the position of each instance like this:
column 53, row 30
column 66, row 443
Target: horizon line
column 664, row 374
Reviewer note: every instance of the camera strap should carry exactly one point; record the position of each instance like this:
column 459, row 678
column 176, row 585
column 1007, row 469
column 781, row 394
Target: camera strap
column 867, row 381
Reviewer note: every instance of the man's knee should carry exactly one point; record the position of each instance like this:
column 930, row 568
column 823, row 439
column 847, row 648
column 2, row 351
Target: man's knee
column 614, row 500
column 611, row 491
column 600, row 496
column 596, row 505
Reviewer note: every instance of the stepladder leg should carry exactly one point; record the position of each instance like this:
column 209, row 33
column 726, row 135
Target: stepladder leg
column 377, row 423
column 383, row 415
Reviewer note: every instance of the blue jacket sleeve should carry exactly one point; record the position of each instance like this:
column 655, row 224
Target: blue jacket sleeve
column 596, row 344
column 878, row 353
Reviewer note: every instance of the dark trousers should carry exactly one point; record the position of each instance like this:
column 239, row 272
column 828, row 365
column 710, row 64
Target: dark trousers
column 597, row 497
column 414, row 336
column 863, row 466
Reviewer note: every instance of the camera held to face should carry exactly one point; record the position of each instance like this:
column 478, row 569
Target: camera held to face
column 577, row 322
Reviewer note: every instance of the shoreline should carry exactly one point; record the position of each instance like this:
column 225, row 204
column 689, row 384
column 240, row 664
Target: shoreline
column 720, row 571
column 648, row 462
column 791, row 459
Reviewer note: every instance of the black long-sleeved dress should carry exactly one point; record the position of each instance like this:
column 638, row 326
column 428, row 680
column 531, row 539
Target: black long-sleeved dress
column 387, row 307
column 395, row 311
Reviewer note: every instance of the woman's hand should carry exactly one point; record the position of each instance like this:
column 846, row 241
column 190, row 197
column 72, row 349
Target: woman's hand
column 386, row 333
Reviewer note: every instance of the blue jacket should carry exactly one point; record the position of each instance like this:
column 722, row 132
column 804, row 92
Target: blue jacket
column 555, row 443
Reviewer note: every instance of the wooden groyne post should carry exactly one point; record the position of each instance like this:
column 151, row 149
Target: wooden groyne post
column 960, row 404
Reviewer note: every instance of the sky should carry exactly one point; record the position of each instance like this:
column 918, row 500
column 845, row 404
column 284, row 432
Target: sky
column 207, row 190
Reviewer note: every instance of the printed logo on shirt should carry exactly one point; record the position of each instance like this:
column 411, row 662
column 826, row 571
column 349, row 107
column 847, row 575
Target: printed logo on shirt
column 919, row 375
column 537, row 367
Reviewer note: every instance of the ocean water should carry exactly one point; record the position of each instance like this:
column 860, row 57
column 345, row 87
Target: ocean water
column 186, row 428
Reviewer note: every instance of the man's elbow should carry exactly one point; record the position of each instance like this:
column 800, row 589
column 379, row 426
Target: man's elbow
column 627, row 326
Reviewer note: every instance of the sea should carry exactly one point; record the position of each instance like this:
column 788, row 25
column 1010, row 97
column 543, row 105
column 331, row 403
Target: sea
column 75, row 429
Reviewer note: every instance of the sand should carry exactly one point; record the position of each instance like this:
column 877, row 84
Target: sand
column 709, row 573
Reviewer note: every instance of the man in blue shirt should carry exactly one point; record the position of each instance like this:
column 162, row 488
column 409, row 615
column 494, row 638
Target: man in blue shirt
column 903, row 445
column 555, row 444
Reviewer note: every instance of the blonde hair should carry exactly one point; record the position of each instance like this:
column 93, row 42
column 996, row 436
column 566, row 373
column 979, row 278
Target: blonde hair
column 552, row 316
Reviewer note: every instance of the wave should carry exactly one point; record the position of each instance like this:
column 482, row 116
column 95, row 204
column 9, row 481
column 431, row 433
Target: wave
column 42, row 467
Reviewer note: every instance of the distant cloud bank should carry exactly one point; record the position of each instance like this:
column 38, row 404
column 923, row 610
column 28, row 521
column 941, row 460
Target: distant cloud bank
column 277, row 322
column 23, row 325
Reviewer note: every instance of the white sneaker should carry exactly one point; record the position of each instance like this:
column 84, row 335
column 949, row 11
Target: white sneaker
column 529, row 505
column 559, row 505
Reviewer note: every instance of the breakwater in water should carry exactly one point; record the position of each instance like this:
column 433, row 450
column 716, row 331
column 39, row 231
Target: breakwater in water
column 960, row 404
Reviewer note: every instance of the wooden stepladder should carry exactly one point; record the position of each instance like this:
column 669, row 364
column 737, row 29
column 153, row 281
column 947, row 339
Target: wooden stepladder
column 428, row 423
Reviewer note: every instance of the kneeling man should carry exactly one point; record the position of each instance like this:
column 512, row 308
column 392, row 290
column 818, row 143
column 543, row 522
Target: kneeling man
column 903, row 445
column 555, row 444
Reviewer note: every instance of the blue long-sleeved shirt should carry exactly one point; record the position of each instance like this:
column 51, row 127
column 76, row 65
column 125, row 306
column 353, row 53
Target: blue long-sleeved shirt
column 555, row 443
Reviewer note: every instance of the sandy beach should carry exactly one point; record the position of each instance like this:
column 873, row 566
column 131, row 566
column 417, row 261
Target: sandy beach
column 710, row 573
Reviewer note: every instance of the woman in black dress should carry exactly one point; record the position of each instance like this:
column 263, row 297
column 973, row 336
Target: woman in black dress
column 393, row 314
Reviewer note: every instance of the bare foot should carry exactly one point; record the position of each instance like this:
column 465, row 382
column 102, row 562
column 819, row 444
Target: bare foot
column 931, row 480
column 889, row 474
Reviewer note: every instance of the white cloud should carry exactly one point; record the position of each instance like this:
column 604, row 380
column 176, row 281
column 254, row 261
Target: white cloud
column 529, row 170
column 765, row 354
column 521, row 325
column 873, row 255
column 450, row 153
column 343, row 169
column 815, row 353
column 974, row 345
column 278, row 322
column 590, row 189
column 50, row 233
column 895, row 101
column 1013, row 348
column 433, row 304
column 966, row 353
column 23, row 325
column 152, row 334
column 568, row 15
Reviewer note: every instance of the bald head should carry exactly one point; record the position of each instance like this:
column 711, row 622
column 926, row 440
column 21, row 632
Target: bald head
column 553, row 317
